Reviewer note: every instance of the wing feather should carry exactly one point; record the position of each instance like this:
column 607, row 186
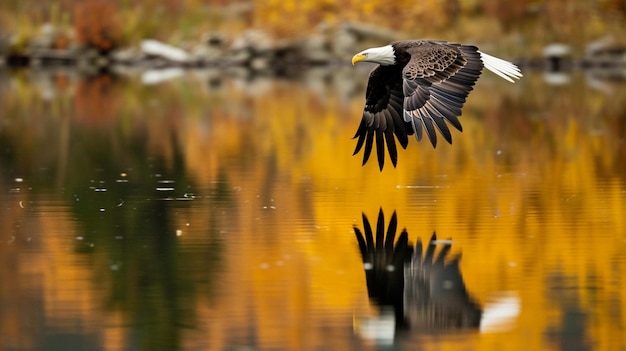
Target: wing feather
column 425, row 90
column 427, row 121
column 380, row 148
column 436, row 82
column 439, row 120
column 381, row 121
column 360, row 133
column 369, row 141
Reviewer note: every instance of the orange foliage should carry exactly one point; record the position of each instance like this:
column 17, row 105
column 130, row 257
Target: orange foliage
column 509, row 13
column 96, row 100
column 96, row 25
column 304, row 15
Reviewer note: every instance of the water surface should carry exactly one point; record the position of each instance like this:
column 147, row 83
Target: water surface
column 215, row 211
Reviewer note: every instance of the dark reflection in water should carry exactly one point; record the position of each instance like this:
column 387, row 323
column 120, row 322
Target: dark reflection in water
column 571, row 332
column 214, row 211
column 424, row 291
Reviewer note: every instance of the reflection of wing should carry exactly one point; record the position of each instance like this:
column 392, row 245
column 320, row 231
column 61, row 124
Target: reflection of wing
column 434, row 294
column 424, row 287
column 384, row 260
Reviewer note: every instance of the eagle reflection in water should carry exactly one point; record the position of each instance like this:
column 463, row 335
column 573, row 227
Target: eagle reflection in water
column 418, row 288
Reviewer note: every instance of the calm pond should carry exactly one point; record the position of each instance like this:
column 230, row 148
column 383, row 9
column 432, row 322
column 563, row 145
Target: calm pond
column 216, row 211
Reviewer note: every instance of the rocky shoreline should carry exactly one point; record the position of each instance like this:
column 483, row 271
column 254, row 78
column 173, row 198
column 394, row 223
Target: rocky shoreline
column 254, row 49
column 259, row 51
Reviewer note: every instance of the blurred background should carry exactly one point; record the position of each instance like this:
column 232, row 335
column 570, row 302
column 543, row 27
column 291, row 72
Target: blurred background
column 178, row 175
column 520, row 29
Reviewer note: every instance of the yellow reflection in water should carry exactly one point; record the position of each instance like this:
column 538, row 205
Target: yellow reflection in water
column 532, row 191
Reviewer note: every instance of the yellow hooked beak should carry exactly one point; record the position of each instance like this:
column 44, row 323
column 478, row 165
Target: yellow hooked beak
column 358, row 58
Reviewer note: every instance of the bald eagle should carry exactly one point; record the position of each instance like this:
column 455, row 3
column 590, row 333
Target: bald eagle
column 419, row 85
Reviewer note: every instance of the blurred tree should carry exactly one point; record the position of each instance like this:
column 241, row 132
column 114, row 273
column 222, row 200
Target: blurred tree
column 508, row 13
column 96, row 24
column 105, row 24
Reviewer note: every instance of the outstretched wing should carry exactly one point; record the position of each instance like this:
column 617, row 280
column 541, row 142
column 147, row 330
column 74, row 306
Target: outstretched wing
column 436, row 82
column 382, row 116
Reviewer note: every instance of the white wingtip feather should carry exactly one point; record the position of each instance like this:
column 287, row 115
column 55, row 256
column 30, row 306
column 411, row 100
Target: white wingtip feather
column 504, row 69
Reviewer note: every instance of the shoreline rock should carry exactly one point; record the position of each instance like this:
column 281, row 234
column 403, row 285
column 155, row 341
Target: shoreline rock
column 258, row 51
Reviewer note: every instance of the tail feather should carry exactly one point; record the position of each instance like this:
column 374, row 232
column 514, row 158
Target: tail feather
column 503, row 68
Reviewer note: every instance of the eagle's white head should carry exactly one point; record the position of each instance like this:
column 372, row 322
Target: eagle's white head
column 383, row 55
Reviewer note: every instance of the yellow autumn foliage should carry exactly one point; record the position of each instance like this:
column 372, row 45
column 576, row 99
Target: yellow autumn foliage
column 515, row 23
